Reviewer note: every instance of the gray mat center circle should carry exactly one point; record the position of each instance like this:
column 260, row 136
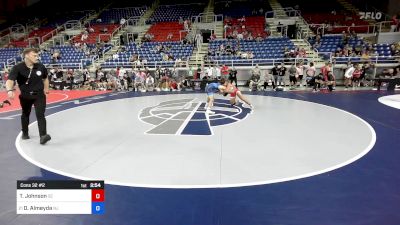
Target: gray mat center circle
column 283, row 139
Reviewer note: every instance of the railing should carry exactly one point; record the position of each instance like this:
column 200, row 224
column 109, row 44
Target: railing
column 4, row 32
column 153, row 64
column 372, row 59
column 181, row 32
column 65, row 65
column 11, row 62
column 17, row 31
column 135, row 21
column 260, row 62
column 219, row 17
column 80, row 65
column 73, row 25
column 202, row 18
column 51, row 34
column 308, row 26
column 106, row 49
column 86, row 16
column 84, row 61
column 33, row 40
column 269, row 14
column 325, row 54
column 283, row 31
column 322, row 28
column 105, row 35
column 382, row 24
column 30, row 25
column 7, row 38
column 141, row 7
column 293, row 13
column 113, row 33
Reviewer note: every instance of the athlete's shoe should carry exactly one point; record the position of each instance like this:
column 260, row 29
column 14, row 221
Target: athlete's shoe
column 44, row 139
column 7, row 102
column 25, row 136
column 209, row 112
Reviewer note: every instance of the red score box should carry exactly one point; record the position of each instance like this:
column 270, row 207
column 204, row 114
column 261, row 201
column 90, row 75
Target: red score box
column 97, row 195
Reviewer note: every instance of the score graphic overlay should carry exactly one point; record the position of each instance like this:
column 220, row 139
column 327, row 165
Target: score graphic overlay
column 60, row 197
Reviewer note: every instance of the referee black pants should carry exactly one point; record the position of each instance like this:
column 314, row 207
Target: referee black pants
column 39, row 101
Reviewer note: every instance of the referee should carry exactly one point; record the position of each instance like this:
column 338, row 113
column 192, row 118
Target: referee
column 33, row 83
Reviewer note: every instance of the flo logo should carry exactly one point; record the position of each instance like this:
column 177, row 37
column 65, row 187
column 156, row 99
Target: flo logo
column 188, row 117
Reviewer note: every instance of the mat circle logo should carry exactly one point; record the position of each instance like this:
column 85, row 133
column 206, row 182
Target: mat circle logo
column 188, row 117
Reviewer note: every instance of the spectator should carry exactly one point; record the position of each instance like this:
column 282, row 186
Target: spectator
column 56, row 56
column 292, row 76
column 217, row 72
column 275, row 73
column 281, row 73
column 302, row 53
column 84, row 36
column 233, row 76
column 368, row 73
column 186, row 25
column 104, row 30
column 268, row 80
column 213, row 37
column 261, row 11
column 199, row 40
column 169, row 37
column 209, row 72
column 256, row 71
column 395, row 23
column 331, row 81
column 299, row 73
column 254, row 82
column 115, row 56
column 225, row 71
column 122, row 21
column 149, row 83
column 356, row 75
column 310, row 72
column 348, row 75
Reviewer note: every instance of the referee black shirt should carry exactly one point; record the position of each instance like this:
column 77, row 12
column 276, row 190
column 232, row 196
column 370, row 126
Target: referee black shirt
column 20, row 73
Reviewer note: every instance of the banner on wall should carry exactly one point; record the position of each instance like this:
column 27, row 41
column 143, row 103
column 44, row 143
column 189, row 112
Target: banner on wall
column 370, row 15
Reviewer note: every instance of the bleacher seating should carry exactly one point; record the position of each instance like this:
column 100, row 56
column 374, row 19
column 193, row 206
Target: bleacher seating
column 162, row 29
column 330, row 43
column 148, row 51
column 264, row 51
column 236, row 9
column 255, row 25
column 93, row 37
column 343, row 24
column 165, row 13
column 70, row 57
column 61, row 18
column 24, row 42
column 314, row 7
column 8, row 53
column 115, row 15
column 320, row 12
